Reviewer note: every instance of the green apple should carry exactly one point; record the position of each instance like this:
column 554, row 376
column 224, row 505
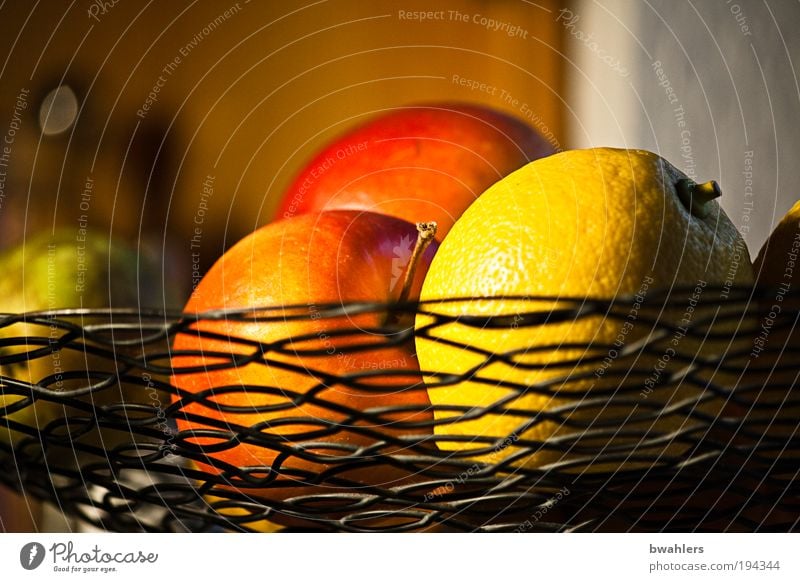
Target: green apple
column 71, row 268
column 68, row 269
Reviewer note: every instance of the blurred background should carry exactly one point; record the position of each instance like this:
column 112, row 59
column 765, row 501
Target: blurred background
column 176, row 126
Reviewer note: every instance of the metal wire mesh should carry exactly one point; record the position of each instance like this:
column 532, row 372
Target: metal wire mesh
column 98, row 421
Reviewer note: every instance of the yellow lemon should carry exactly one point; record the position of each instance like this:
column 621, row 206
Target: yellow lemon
column 776, row 265
column 777, row 271
column 600, row 224
column 773, row 360
column 62, row 270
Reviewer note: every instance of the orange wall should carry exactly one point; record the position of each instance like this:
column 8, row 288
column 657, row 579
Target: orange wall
column 247, row 104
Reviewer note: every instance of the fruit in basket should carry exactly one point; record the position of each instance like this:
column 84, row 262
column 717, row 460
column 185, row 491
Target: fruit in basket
column 774, row 269
column 62, row 270
column 307, row 410
column 54, row 271
column 599, row 224
column 427, row 161
column 771, row 404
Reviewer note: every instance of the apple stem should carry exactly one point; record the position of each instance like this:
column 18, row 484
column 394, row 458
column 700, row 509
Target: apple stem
column 426, row 232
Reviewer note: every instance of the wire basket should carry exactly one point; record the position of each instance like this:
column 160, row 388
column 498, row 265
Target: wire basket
column 107, row 430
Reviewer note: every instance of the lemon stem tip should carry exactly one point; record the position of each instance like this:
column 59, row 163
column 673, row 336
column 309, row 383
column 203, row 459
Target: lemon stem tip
column 695, row 197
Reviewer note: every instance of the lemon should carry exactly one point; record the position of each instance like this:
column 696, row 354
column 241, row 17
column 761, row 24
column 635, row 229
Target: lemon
column 777, row 271
column 776, row 262
column 773, row 361
column 597, row 223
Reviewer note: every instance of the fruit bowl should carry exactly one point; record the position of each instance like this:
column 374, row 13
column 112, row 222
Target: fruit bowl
column 106, row 446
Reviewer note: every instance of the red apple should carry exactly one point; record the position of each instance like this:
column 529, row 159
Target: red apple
column 426, row 160
column 308, row 261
